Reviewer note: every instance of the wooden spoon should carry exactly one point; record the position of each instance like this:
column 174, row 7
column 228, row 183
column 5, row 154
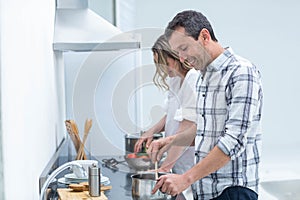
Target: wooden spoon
column 87, row 127
column 71, row 128
column 156, row 173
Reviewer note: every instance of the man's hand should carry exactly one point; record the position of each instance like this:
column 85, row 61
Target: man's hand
column 172, row 184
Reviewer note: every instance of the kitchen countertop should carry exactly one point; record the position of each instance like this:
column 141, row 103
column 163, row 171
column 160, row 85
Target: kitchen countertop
column 120, row 178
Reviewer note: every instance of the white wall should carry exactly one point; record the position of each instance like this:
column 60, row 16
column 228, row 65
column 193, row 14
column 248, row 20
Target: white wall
column 110, row 87
column 104, row 8
column 92, row 80
column 29, row 101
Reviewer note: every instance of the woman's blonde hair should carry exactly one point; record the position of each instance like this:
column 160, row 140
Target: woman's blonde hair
column 162, row 49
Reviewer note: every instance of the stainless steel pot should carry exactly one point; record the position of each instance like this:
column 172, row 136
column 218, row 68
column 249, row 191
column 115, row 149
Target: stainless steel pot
column 131, row 139
column 142, row 185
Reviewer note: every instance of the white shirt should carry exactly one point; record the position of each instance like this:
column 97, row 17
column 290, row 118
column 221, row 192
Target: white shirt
column 180, row 105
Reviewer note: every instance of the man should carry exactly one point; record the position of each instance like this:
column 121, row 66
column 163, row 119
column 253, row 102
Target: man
column 229, row 105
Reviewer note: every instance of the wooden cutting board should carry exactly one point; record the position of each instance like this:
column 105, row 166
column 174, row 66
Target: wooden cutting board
column 69, row 194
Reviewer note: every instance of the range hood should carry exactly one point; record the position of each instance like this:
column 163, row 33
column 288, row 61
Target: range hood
column 77, row 28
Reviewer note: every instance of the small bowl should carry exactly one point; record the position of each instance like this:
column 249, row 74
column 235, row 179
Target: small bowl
column 85, row 164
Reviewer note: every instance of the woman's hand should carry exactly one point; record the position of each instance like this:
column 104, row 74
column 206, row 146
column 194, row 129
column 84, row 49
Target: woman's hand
column 158, row 147
column 146, row 137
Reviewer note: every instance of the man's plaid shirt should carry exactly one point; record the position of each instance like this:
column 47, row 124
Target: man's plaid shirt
column 229, row 106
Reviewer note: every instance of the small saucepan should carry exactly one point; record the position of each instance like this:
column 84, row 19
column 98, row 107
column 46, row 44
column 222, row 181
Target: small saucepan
column 142, row 185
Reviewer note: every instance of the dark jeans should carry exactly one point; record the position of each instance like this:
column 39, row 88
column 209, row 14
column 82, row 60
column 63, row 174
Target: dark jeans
column 237, row 193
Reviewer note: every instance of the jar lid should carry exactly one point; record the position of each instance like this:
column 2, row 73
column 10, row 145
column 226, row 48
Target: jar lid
column 94, row 170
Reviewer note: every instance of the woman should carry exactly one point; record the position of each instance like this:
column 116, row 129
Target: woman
column 179, row 79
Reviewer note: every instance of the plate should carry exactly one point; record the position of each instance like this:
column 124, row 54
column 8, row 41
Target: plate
column 63, row 180
column 67, row 182
column 72, row 178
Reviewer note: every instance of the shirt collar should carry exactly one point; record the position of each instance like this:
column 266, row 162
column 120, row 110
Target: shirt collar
column 217, row 63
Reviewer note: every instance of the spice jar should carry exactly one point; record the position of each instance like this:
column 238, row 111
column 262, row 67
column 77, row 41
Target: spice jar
column 94, row 180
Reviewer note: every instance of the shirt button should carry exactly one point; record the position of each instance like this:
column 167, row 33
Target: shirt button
column 203, row 95
column 202, row 115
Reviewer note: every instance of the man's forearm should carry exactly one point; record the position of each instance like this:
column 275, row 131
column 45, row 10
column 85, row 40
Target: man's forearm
column 212, row 162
